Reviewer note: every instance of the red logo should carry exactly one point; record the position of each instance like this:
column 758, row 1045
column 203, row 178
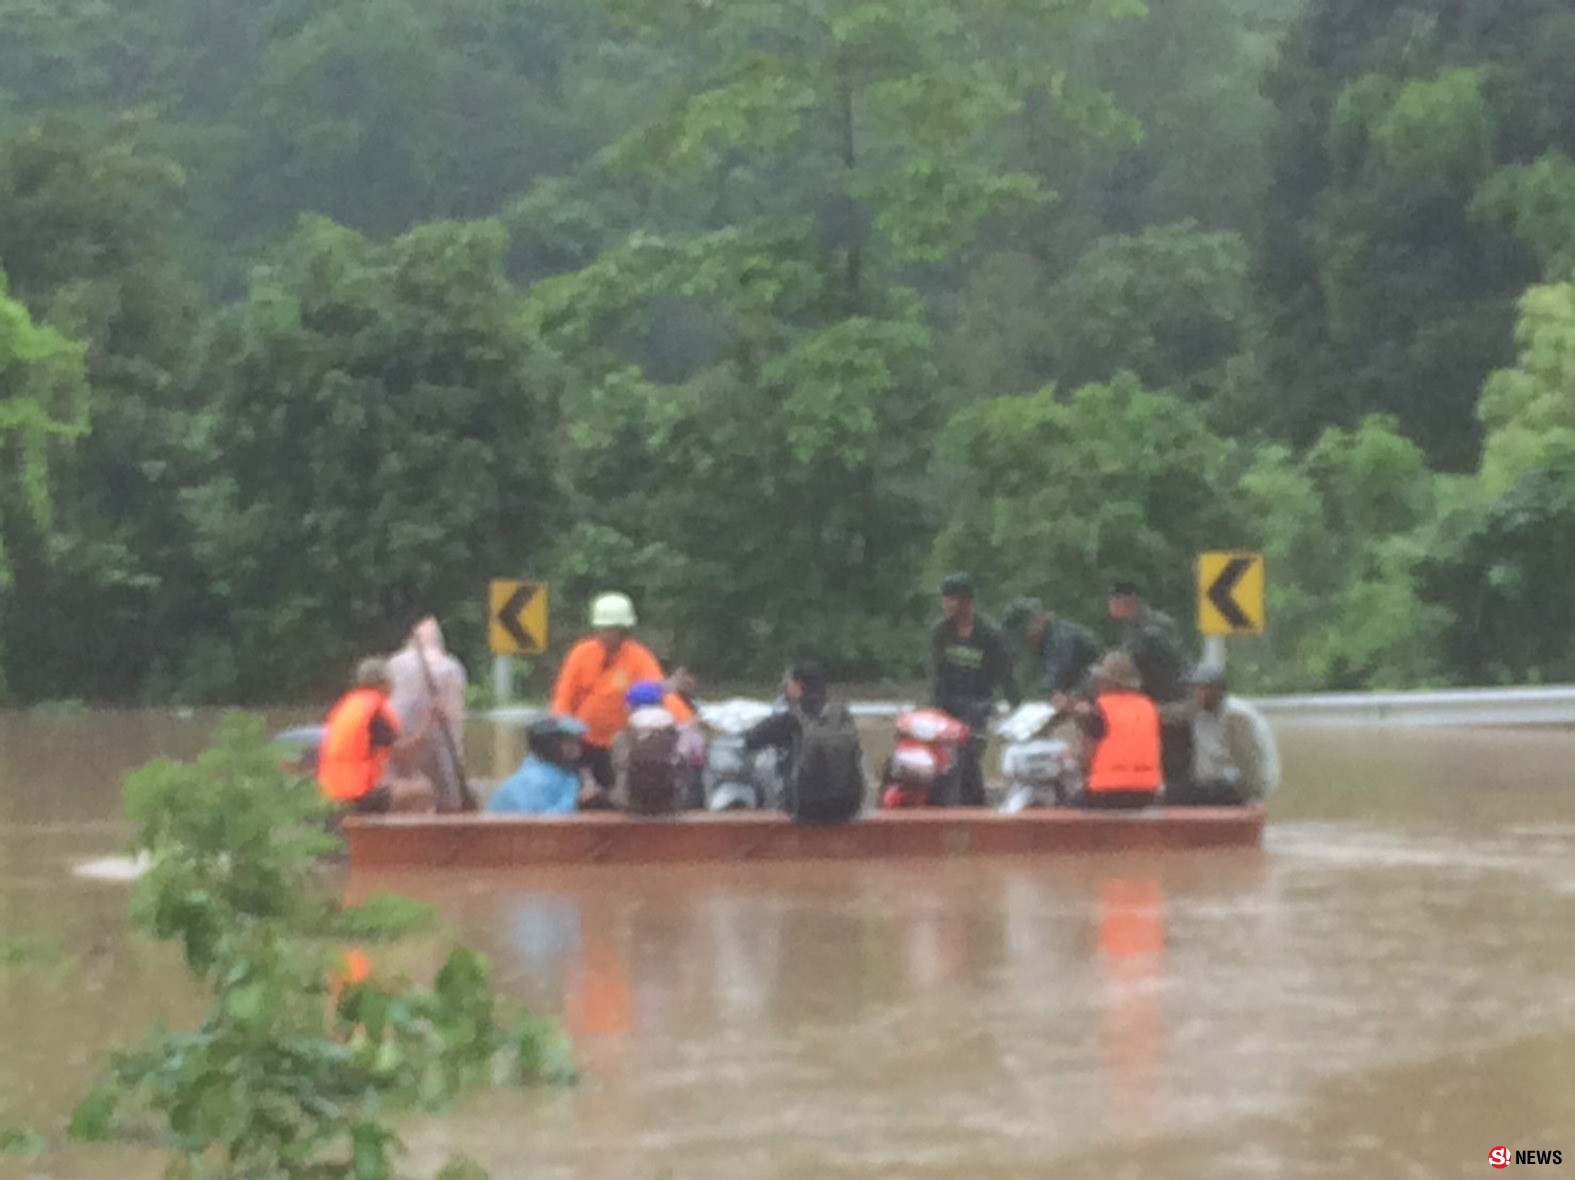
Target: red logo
column 1499, row 1157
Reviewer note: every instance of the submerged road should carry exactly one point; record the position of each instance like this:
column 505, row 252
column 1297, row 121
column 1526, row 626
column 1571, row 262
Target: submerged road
column 1383, row 990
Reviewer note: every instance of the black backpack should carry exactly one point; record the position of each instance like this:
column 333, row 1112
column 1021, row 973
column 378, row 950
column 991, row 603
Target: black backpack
column 652, row 770
column 827, row 783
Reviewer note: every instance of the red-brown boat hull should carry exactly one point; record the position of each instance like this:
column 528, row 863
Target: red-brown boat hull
column 476, row 842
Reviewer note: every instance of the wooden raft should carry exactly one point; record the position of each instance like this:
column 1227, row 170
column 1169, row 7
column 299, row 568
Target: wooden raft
column 490, row 842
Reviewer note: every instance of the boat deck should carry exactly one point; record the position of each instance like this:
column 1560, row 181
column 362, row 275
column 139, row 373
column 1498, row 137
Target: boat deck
column 479, row 841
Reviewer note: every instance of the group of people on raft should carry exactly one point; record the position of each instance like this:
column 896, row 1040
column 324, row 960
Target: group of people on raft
column 621, row 733
column 1149, row 727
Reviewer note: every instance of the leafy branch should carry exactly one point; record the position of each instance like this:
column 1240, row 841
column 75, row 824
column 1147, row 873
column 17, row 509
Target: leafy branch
column 306, row 1054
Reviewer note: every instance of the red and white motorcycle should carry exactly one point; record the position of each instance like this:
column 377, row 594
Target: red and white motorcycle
column 925, row 768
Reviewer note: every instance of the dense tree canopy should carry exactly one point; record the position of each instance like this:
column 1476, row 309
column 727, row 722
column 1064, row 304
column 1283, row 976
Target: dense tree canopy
column 318, row 316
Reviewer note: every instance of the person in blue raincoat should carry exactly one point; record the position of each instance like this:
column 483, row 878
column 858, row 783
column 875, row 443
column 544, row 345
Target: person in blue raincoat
column 548, row 781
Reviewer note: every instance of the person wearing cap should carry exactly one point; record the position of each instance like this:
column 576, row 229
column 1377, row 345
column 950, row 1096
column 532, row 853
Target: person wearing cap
column 1066, row 650
column 1149, row 637
column 548, row 781
column 1122, row 727
column 1234, row 757
column 361, row 734
column 971, row 667
column 646, row 753
column 595, row 679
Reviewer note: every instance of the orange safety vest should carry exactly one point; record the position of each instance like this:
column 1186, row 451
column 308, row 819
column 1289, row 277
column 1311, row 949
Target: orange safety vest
column 347, row 765
column 1127, row 758
column 592, row 688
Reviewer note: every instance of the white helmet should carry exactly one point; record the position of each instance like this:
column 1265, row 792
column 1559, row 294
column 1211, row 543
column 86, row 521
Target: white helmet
column 612, row 610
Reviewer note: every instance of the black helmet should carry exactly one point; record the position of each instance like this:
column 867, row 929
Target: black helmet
column 545, row 735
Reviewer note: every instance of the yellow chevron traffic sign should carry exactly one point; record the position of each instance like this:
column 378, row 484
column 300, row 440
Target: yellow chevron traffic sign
column 517, row 617
column 1230, row 593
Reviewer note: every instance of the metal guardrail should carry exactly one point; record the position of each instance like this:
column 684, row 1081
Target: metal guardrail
column 1468, row 707
column 1463, row 708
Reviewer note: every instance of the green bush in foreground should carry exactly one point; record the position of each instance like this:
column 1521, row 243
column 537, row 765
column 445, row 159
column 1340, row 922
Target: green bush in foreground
column 294, row 1073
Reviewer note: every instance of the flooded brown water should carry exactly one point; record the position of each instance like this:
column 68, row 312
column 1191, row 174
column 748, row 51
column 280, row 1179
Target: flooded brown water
column 1386, row 990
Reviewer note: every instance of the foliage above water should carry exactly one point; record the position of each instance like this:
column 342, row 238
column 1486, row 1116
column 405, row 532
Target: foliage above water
column 304, row 1058
column 43, row 401
column 728, row 305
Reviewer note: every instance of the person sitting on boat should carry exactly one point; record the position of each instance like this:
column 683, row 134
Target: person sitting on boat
column 683, row 684
column 548, row 781
column 1234, row 757
column 819, row 743
column 361, row 734
column 691, row 741
column 595, row 680
column 1065, row 650
column 1122, row 727
column 646, row 753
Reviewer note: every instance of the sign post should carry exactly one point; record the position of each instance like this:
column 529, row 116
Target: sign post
column 516, row 626
column 1230, row 599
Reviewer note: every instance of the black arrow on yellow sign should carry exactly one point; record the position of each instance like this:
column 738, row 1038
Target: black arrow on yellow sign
column 1222, row 590
column 511, row 616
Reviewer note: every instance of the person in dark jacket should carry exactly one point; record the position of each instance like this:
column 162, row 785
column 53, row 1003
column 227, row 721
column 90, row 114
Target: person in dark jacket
column 804, row 694
column 971, row 667
column 818, row 744
column 1066, row 650
column 1149, row 637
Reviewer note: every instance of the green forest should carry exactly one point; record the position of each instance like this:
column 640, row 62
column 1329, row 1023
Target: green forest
column 317, row 314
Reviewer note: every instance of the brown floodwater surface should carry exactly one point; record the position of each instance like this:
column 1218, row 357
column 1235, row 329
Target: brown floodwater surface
column 1384, row 990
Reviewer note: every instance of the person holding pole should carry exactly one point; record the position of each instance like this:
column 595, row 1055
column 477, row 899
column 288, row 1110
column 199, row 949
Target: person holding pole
column 428, row 682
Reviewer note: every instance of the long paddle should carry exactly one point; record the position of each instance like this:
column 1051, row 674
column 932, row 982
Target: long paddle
column 467, row 797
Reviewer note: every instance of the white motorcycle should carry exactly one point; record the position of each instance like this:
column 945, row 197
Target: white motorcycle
column 1040, row 771
column 734, row 778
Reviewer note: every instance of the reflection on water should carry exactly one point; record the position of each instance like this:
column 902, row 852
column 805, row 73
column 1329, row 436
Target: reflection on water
column 1384, row 990
column 1131, row 916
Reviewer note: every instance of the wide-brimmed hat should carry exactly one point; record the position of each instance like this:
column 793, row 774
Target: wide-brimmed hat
column 1118, row 670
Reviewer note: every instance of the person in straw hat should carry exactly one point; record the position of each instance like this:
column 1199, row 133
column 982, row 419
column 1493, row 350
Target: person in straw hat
column 1121, row 724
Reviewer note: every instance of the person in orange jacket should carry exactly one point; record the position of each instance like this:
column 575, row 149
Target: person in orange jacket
column 595, row 679
column 1125, row 768
column 361, row 733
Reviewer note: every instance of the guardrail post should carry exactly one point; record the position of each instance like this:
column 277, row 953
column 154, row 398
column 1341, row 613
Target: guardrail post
column 502, row 680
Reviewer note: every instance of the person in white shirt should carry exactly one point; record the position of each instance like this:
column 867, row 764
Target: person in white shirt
column 1234, row 758
column 422, row 665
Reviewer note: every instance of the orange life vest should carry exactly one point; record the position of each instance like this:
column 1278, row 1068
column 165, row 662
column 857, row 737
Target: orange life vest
column 348, row 766
column 1127, row 758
